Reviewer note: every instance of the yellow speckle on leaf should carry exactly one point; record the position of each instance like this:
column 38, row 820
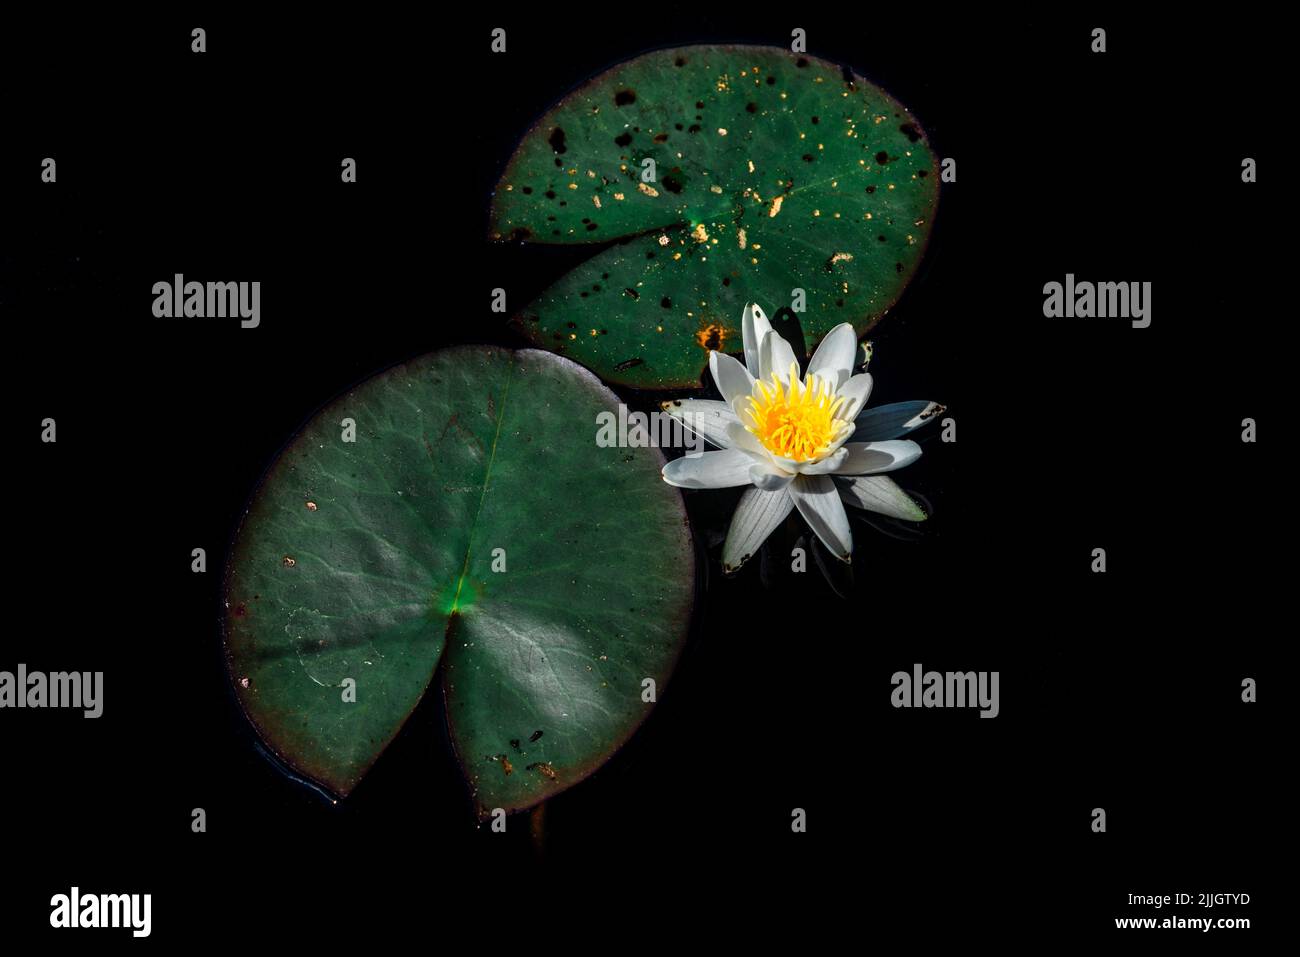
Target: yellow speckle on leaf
column 776, row 207
column 596, row 200
column 647, row 189
column 700, row 234
column 740, row 238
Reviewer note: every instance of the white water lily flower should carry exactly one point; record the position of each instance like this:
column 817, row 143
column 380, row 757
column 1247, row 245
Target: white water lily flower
column 800, row 443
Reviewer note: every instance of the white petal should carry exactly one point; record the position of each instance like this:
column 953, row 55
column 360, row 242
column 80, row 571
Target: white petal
column 855, row 392
column 834, row 357
column 707, row 418
column 775, row 356
column 754, row 325
column 784, row 464
column 739, row 437
column 893, row 420
column 819, row 503
column 757, row 516
column 731, row 378
column 725, row 469
column 766, row 477
column 871, row 458
column 830, row 463
column 880, row 493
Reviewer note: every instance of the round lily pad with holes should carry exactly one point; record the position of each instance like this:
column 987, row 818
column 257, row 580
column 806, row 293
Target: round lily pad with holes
column 728, row 174
column 454, row 520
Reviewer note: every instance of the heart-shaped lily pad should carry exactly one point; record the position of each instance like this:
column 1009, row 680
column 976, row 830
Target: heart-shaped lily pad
column 772, row 172
column 473, row 522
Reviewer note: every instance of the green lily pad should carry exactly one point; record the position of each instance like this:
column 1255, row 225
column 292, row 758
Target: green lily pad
column 773, row 172
column 474, row 523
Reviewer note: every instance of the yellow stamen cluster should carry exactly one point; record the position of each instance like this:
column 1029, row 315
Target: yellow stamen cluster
column 797, row 421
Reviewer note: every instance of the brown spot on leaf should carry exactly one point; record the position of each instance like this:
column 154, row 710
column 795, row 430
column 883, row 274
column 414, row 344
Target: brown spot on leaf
column 711, row 336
